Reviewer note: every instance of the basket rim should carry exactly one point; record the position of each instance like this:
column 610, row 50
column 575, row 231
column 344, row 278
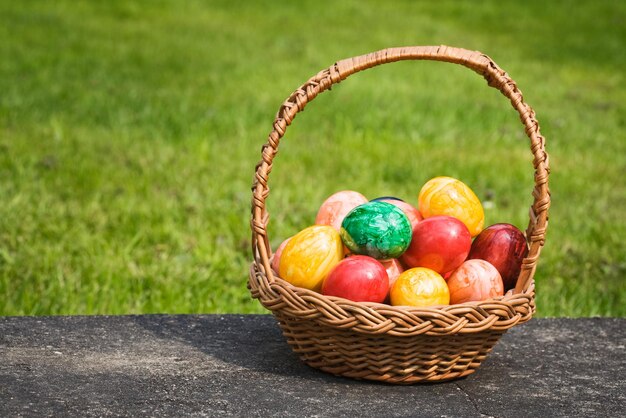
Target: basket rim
column 499, row 313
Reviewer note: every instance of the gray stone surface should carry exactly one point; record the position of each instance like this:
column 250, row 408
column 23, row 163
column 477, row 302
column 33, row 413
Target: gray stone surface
column 211, row 365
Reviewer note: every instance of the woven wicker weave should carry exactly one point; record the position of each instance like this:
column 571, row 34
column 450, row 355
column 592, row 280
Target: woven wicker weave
column 389, row 343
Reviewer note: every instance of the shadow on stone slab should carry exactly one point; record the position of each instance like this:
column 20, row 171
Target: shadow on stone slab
column 251, row 342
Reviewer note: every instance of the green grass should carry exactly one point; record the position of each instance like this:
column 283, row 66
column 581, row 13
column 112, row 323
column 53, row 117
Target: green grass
column 129, row 132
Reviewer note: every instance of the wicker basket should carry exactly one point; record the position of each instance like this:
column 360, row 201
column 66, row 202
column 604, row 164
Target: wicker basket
column 381, row 342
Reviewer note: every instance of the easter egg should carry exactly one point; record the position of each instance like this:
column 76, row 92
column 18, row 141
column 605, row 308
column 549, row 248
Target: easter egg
column 451, row 197
column 504, row 246
column 419, row 287
column 475, row 280
column 275, row 262
column 358, row 278
column 394, row 269
column 337, row 206
column 411, row 212
column 440, row 243
column 378, row 229
column 386, row 199
column 309, row 256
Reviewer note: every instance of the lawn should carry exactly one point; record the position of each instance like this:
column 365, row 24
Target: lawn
column 129, row 132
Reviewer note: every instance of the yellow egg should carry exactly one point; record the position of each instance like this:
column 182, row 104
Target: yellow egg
column 451, row 197
column 420, row 287
column 309, row 256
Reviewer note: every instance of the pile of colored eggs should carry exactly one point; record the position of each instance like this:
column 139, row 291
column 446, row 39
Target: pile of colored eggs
column 386, row 250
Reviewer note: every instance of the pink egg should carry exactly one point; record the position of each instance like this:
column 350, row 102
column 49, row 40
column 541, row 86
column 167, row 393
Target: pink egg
column 275, row 262
column 409, row 210
column 394, row 269
column 475, row 280
column 337, row 206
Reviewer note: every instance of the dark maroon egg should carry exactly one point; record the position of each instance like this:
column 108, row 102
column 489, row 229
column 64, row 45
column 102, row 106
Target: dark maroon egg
column 386, row 199
column 504, row 246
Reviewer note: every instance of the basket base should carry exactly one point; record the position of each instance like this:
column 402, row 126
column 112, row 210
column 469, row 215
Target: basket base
column 384, row 358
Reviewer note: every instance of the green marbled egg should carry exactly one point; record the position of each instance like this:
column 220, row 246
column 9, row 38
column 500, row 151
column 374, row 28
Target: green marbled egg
column 378, row 229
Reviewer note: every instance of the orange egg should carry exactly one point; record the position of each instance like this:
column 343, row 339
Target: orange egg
column 452, row 197
column 275, row 261
column 309, row 256
column 475, row 280
column 420, row 287
column 337, row 206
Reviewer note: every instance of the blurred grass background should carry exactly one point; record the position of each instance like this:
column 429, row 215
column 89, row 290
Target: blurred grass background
column 129, row 132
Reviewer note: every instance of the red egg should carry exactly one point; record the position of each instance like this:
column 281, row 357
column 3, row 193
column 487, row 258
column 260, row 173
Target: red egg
column 475, row 280
column 358, row 278
column 504, row 246
column 275, row 262
column 440, row 243
column 394, row 269
column 337, row 206
column 410, row 211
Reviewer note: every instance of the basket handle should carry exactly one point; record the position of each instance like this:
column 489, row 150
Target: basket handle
column 474, row 60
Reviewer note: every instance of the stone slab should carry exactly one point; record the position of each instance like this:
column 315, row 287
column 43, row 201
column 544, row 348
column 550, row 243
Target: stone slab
column 240, row 365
